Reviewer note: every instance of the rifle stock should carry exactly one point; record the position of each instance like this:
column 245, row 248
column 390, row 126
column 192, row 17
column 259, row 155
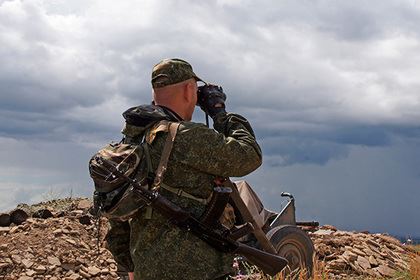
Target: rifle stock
column 269, row 263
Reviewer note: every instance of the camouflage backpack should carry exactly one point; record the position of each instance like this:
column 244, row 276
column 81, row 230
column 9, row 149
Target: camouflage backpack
column 111, row 192
column 113, row 197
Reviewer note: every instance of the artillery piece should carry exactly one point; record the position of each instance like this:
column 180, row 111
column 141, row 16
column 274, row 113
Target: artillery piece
column 276, row 233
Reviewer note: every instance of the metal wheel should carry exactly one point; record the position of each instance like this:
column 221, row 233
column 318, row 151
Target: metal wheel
column 295, row 245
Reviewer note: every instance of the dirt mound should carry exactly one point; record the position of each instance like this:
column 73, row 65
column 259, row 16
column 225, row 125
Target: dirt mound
column 60, row 241
column 348, row 254
column 62, row 246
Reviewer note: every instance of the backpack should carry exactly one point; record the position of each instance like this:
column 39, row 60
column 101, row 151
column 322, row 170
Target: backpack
column 113, row 196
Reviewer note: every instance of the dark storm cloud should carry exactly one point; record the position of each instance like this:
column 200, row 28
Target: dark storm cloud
column 41, row 73
column 290, row 81
column 319, row 147
column 292, row 150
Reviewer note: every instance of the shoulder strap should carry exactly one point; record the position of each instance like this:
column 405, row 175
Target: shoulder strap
column 160, row 171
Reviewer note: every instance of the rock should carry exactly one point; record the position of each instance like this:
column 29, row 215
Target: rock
column 85, row 245
column 84, row 274
column 30, row 272
column 323, row 232
column 54, row 260
column 356, row 268
column 15, row 229
column 4, row 266
column 71, row 241
column 18, row 216
column 385, row 271
column 4, row 220
column 74, row 232
column 16, row 259
column 363, row 262
column 349, row 256
column 358, row 252
column 68, row 266
column 373, row 243
column 31, row 221
column 27, row 263
column 367, row 250
column 104, row 270
column 40, row 269
column 93, row 270
column 42, row 214
column 4, row 230
column 76, row 212
column 373, row 261
column 113, row 267
column 25, row 278
column 84, row 204
column 74, row 276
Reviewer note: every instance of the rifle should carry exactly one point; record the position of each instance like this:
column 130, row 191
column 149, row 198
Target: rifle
column 269, row 263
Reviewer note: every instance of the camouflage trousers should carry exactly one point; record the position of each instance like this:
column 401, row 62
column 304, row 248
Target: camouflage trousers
column 163, row 251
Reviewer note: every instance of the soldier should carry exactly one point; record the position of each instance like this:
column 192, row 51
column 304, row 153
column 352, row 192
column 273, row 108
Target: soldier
column 148, row 244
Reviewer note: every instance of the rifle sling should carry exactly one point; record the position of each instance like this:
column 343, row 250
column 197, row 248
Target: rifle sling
column 180, row 192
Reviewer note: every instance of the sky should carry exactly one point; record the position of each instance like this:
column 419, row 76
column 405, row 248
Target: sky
column 331, row 89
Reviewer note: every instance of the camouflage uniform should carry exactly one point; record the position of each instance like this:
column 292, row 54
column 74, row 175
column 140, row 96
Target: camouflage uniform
column 154, row 248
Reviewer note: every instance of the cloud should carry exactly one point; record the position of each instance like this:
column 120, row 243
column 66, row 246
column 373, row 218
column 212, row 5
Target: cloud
column 301, row 66
column 318, row 80
column 31, row 171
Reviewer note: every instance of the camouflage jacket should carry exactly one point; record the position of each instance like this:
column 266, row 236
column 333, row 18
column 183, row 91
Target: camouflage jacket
column 154, row 248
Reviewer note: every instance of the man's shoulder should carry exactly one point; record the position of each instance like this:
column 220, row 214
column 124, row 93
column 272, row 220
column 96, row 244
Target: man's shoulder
column 193, row 133
column 191, row 125
column 194, row 128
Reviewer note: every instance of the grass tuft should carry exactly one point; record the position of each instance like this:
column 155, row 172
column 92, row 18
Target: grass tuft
column 320, row 272
column 415, row 263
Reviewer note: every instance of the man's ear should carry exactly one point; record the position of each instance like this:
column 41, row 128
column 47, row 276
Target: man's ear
column 188, row 90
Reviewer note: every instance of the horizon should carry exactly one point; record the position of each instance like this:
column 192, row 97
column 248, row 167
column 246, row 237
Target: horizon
column 402, row 238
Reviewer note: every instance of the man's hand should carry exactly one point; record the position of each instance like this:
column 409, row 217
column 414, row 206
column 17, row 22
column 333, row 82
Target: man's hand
column 211, row 99
column 131, row 275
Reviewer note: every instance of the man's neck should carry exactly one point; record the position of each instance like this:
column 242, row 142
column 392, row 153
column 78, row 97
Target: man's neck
column 171, row 113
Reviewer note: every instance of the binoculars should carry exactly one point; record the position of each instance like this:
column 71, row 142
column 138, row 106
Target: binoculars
column 209, row 92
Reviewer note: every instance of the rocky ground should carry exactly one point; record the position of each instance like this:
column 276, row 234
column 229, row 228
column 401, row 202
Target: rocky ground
column 64, row 246
column 347, row 254
column 60, row 240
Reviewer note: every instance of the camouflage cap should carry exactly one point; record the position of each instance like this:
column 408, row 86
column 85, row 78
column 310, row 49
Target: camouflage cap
column 172, row 71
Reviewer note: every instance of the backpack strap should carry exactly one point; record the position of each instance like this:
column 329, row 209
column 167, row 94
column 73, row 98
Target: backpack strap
column 160, row 171
column 172, row 129
column 150, row 175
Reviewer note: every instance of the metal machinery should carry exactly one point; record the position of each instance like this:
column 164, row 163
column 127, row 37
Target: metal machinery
column 277, row 233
